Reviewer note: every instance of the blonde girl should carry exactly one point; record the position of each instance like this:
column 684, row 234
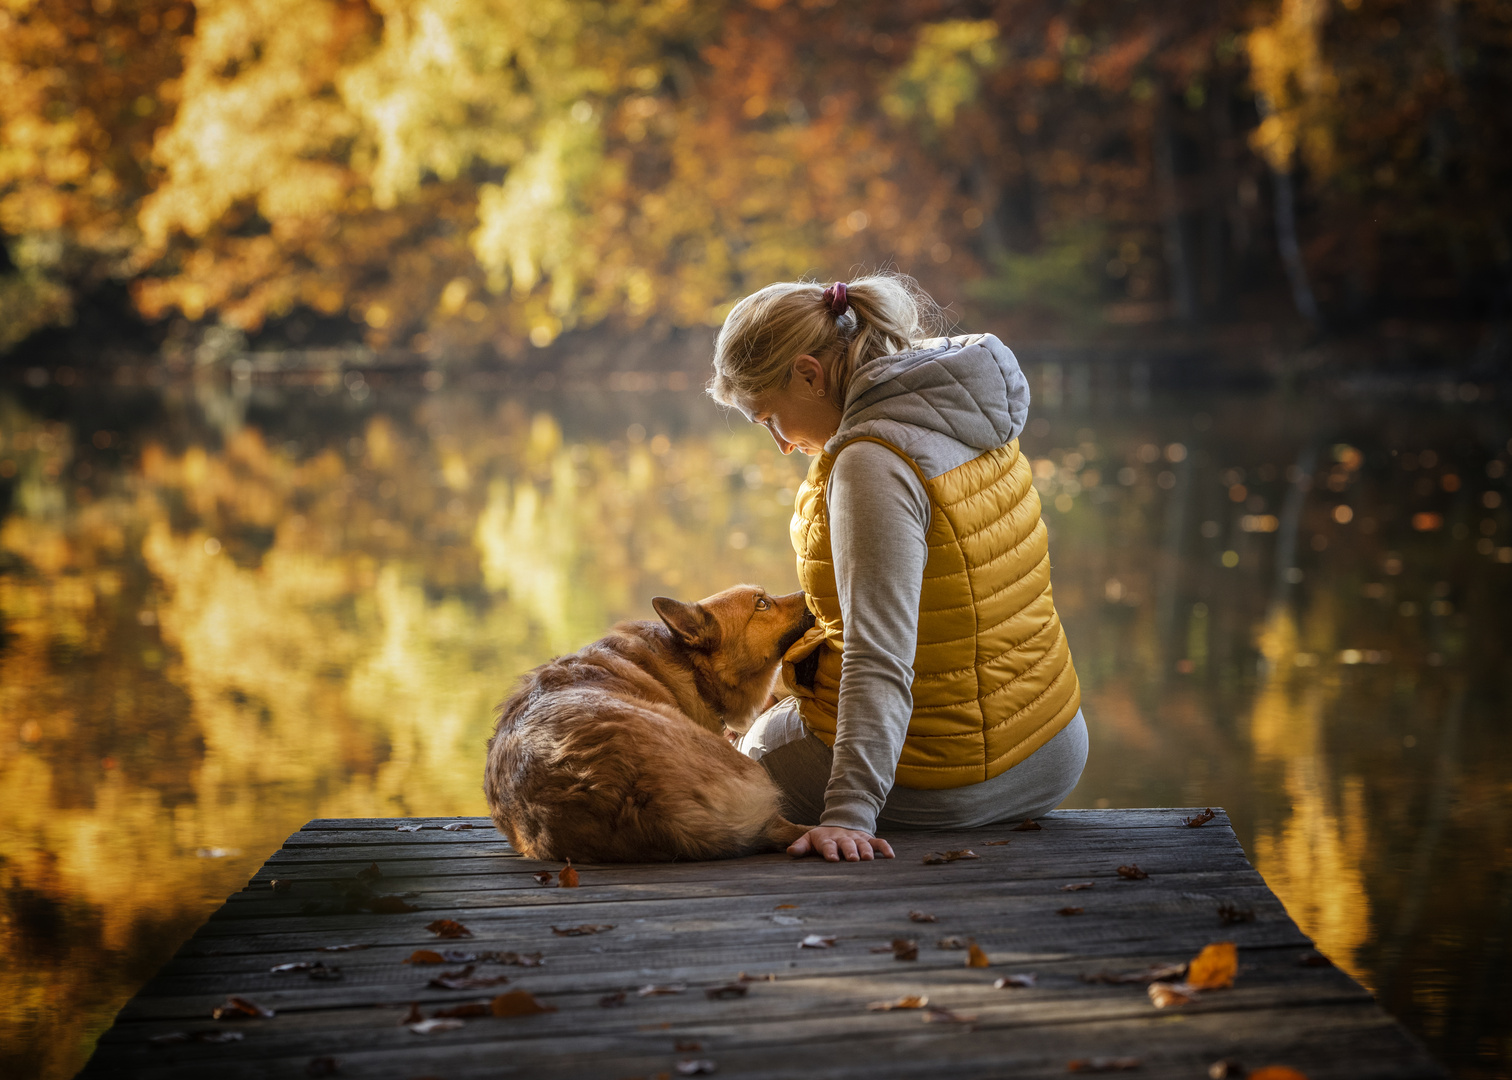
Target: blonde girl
column 936, row 688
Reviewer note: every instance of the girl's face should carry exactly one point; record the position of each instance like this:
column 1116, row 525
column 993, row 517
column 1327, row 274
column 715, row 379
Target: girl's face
column 802, row 415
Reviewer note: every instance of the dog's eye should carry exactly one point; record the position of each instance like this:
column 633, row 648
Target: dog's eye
column 761, row 603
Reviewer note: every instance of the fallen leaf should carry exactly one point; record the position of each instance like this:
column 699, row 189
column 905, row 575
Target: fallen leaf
column 389, row 905
column 1229, row 914
column 424, row 956
column 996, row 843
column 568, row 878
column 467, row 1011
column 448, row 928
column 372, row 873
column 787, row 920
column 1028, row 826
column 407, row 828
column 1069, row 911
column 322, row 1066
column 1276, row 1072
column 936, row 857
column 1021, row 981
column 1102, row 1064
column 281, row 884
column 321, row 973
column 1077, row 886
column 726, row 992
column 518, row 1003
column 817, row 941
column 1214, row 967
column 1160, row 973
column 784, row 907
column 466, row 980
column 687, row 1046
column 609, row 1001
column 414, row 1016
column 431, row 1027
column 1132, row 872
column 950, row 943
column 298, row 965
column 1227, row 1069
column 652, row 990
column 457, row 826
column 534, row 959
column 693, row 1067
column 239, row 1008
column 1199, row 819
column 544, row 877
column 581, row 931
column 905, row 949
column 343, row 948
column 946, row 1016
column 919, row 916
column 976, row 958
column 1314, row 959
column 208, row 1036
column 768, row 977
column 910, row 1001
column 1164, row 995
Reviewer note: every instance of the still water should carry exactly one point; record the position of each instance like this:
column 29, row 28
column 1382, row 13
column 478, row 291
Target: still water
column 225, row 610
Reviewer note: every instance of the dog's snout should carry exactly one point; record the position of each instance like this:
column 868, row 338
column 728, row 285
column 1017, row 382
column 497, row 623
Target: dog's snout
column 806, row 623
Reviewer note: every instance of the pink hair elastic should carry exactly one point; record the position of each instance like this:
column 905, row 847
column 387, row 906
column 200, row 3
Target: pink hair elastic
column 834, row 296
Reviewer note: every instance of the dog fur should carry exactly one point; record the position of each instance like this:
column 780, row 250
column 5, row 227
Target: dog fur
column 616, row 753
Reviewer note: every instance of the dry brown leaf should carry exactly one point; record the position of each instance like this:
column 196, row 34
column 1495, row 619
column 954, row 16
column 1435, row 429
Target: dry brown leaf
column 996, row 843
column 414, row 1016
column 1132, row 872
column 946, row 1016
column 467, row 1011
column 518, row 1003
column 609, row 1001
column 817, row 941
column 726, row 992
column 1103, row 1064
column 1214, row 967
column 466, row 980
column 1277, row 1072
column 935, row 858
column 1199, row 820
column 431, row 1027
column 910, row 1001
column 457, row 826
column 652, row 990
column 920, row 916
column 1165, row 995
column 389, row 905
column 1230, row 914
column 1028, row 826
column 581, row 931
column 768, row 977
column 1069, row 911
column 544, row 877
column 1020, row 981
column 950, row 943
column 904, row 949
column 1077, row 886
column 784, row 907
column 239, row 1008
column 448, row 928
column 976, row 958
column 568, row 878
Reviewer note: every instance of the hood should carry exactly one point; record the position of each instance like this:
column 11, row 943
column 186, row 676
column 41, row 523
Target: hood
column 965, row 390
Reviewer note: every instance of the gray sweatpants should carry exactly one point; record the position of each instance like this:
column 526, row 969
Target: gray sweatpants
column 799, row 762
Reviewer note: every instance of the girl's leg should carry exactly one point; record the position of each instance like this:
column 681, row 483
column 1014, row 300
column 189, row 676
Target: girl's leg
column 797, row 761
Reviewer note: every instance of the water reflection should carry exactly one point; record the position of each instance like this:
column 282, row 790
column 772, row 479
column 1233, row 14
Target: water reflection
column 224, row 614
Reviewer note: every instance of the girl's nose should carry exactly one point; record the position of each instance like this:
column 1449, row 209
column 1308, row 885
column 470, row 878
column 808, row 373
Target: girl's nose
column 782, row 444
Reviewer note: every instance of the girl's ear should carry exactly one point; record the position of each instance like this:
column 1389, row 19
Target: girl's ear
column 690, row 624
column 808, row 369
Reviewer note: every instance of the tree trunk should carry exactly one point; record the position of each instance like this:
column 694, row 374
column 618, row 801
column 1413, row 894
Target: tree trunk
column 1291, row 250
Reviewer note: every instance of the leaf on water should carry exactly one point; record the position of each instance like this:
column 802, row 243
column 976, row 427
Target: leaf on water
column 1277, row 1072
column 372, row 873
column 518, row 1003
column 726, row 992
column 817, row 941
column 609, row 1001
column 1077, row 886
column 390, row 905
column 407, row 828
column 1199, row 820
column 1103, row 1064
column 580, row 931
column 1158, row 973
column 282, row 884
column 1020, row 981
column 1028, row 826
column 568, row 878
column 910, row 1001
column 544, row 877
column 322, row 1066
column 468, row 1011
column 1069, row 911
column 1314, row 959
column 431, row 1027
column 343, row 948
column 414, row 1016
column 976, row 958
column 1166, row 995
column 905, row 949
column 996, row 843
column 448, row 928
column 920, row 916
column 1214, row 967
column 1230, row 914
column 457, row 826
column 946, row 1016
column 239, row 1008
column 695, row 1067
column 784, row 907
column 950, row 943
column 652, row 990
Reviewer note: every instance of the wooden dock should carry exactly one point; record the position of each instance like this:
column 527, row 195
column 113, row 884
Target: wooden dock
column 685, row 969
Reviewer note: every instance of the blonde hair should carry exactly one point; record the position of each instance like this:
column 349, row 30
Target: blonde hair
column 765, row 332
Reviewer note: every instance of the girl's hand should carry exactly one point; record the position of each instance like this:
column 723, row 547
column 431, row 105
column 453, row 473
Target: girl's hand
column 835, row 844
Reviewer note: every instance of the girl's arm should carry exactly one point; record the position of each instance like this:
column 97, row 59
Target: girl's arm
column 879, row 517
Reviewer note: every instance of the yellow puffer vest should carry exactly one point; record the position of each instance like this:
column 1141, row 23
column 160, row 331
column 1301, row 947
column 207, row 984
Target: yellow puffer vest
column 993, row 680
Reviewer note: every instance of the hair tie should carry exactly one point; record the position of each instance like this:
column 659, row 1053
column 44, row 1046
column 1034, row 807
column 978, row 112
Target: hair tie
column 835, row 298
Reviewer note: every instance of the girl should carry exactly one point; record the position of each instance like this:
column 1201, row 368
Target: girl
column 936, row 688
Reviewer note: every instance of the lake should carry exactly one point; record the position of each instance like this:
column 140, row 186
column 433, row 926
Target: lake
column 227, row 607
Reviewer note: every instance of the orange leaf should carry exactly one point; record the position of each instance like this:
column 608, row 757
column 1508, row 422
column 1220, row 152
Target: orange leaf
column 448, row 928
column 518, row 1003
column 1214, row 967
column 1132, row 872
column 976, row 958
column 1277, row 1072
column 568, row 878
column 1028, row 826
column 460, row 1012
column 1164, row 995
column 912, row 1001
column 784, row 907
column 1069, row 911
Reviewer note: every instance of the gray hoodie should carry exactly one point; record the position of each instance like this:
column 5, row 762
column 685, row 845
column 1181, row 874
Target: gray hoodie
column 942, row 404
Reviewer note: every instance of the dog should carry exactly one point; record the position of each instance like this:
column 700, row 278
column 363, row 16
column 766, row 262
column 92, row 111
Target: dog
column 617, row 752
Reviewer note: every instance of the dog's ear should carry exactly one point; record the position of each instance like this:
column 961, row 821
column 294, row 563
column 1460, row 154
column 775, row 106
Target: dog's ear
column 689, row 623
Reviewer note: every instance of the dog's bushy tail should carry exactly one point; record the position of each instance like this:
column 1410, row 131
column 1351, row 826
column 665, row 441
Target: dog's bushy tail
column 780, row 832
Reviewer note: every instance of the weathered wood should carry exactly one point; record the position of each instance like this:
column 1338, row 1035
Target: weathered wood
column 701, row 925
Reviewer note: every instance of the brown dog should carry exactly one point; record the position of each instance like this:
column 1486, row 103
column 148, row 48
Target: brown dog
column 615, row 753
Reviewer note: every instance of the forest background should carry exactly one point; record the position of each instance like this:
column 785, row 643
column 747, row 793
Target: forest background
column 463, row 181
